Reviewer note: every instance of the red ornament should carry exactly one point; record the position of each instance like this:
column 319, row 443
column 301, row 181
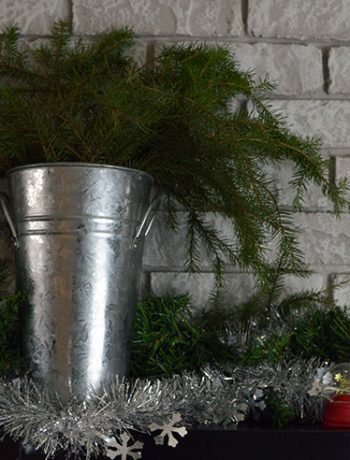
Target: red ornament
column 337, row 412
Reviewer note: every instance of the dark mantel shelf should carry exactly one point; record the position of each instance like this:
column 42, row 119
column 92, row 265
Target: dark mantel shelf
column 307, row 443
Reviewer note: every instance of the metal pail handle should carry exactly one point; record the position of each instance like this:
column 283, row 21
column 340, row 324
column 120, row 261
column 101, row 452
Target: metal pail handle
column 4, row 200
column 147, row 220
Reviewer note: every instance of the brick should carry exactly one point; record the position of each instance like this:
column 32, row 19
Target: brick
column 155, row 17
column 342, row 167
column 341, row 295
column 314, row 282
column 299, row 19
column 166, row 249
column 198, row 286
column 237, row 286
column 339, row 68
column 295, row 69
column 324, row 239
column 35, row 16
column 329, row 120
column 313, row 196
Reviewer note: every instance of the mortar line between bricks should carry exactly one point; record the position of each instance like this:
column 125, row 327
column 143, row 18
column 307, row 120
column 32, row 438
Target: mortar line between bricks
column 308, row 97
column 217, row 39
column 239, row 39
column 308, row 210
column 325, row 69
column 203, row 270
column 314, row 268
column 245, row 9
column 70, row 15
column 332, row 172
column 244, row 39
column 330, row 286
column 315, row 96
column 335, row 150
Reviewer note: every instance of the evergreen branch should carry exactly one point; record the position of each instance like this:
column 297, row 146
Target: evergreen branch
column 91, row 102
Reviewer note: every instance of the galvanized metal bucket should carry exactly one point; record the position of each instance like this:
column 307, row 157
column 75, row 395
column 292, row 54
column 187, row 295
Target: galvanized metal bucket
column 79, row 232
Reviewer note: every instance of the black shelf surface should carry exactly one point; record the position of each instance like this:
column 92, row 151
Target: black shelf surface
column 307, row 443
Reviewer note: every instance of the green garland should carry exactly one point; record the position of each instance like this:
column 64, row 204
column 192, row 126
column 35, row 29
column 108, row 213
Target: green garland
column 322, row 334
column 11, row 356
column 169, row 339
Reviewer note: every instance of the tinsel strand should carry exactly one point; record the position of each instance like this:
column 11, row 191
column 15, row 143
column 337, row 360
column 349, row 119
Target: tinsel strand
column 214, row 397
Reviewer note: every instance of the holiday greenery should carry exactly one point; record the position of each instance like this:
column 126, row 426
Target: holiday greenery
column 71, row 101
column 169, row 339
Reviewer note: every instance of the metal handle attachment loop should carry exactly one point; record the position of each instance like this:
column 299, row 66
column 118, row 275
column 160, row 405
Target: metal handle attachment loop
column 4, row 199
column 147, row 220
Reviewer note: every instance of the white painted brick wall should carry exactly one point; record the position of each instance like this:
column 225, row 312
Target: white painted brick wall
column 324, row 239
column 327, row 119
column 160, row 17
column 339, row 67
column 342, row 290
column 342, row 167
column 294, row 69
column 33, row 16
column 165, row 249
column 304, row 47
column 237, row 287
column 313, row 197
column 299, row 19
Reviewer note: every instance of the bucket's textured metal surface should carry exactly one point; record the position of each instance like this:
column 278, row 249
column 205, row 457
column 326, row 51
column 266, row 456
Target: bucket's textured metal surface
column 76, row 224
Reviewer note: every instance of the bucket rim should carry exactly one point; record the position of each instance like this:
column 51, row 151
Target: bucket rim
column 81, row 165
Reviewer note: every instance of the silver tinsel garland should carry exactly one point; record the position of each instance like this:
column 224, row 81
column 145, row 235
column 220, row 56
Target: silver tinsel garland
column 214, row 397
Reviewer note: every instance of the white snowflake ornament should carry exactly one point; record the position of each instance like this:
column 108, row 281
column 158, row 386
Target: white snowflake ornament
column 167, row 429
column 123, row 450
column 316, row 388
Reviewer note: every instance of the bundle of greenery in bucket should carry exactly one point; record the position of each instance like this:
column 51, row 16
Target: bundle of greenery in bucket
column 73, row 102
column 67, row 107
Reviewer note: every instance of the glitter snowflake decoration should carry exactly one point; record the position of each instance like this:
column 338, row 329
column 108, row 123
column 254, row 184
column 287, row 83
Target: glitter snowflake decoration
column 168, row 429
column 123, row 450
